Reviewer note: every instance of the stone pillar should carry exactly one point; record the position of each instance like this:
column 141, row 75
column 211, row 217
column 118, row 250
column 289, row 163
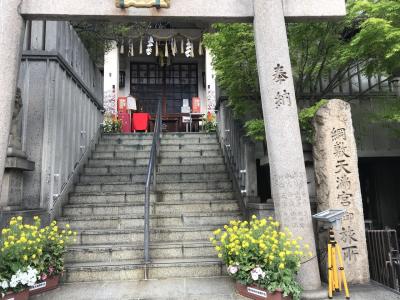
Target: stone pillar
column 12, row 28
column 338, row 184
column 285, row 153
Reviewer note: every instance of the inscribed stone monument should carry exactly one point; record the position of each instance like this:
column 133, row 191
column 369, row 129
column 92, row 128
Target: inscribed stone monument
column 338, row 185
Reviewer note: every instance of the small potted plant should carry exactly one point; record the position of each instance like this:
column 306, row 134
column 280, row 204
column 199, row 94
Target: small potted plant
column 112, row 125
column 209, row 123
column 263, row 259
column 19, row 252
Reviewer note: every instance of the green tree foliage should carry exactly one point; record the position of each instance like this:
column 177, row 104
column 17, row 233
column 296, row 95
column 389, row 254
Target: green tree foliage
column 98, row 37
column 367, row 41
column 306, row 116
column 378, row 39
column 236, row 68
column 255, row 129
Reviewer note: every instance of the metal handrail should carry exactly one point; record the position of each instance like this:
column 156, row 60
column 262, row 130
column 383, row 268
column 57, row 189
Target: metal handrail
column 151, row 174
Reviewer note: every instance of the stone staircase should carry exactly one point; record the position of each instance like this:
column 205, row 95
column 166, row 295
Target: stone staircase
column 194, row 196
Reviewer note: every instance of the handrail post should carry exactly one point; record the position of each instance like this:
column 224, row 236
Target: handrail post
column 151, row 175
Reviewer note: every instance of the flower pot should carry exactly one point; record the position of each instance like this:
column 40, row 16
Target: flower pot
column 257, row 293
column 50, row 283
column 23, row 295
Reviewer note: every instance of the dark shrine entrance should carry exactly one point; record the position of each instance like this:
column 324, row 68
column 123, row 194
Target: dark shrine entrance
column 150, row 82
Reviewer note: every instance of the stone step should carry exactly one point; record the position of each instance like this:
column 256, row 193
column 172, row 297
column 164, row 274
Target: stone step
column 146, row 142
column 175, row 186
column 129, row 236
column 121, row 155
column 133, row 221
column 157, row 208
column 163, row 154
column 139, row 162
column 114, row 253
column 177, row 135
column 196, row 154
column 158, row 269
column 161, row 169
column 168, row 196
column 131, row 178
column 110, row 147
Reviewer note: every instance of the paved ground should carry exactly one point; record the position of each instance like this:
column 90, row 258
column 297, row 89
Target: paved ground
column 220, row 288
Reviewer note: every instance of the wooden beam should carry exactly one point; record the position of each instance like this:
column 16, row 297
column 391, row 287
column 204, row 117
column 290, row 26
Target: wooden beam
column 204, row 10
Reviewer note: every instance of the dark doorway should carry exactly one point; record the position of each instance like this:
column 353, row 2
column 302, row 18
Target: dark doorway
column 380, row 188
column 151, row 82
column 263, row 182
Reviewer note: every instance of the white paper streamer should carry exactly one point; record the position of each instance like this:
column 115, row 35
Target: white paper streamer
column 192, row 48
column 189, row 49
column 166, row 49
column 141, row 46
column 201, row 48
column 150, row 44
column 157, row 54
column 131, row 49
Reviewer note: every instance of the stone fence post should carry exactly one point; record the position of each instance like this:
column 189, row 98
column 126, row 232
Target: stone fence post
column 251, row 169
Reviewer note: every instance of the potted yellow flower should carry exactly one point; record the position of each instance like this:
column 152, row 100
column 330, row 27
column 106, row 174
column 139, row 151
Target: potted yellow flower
column 19, row 252
column 263, row 259
column 31, row 257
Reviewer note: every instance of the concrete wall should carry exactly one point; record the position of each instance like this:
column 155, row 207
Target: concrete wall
column 62, row 92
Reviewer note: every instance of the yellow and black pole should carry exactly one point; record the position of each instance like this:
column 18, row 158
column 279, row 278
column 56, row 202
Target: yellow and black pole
column 336, row 274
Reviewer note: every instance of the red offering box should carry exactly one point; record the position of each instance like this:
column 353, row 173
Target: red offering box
column 140, row 121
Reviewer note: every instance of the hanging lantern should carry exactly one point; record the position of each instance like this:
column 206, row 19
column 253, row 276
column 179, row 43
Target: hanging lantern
column 122, row 49
column 182, row 47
